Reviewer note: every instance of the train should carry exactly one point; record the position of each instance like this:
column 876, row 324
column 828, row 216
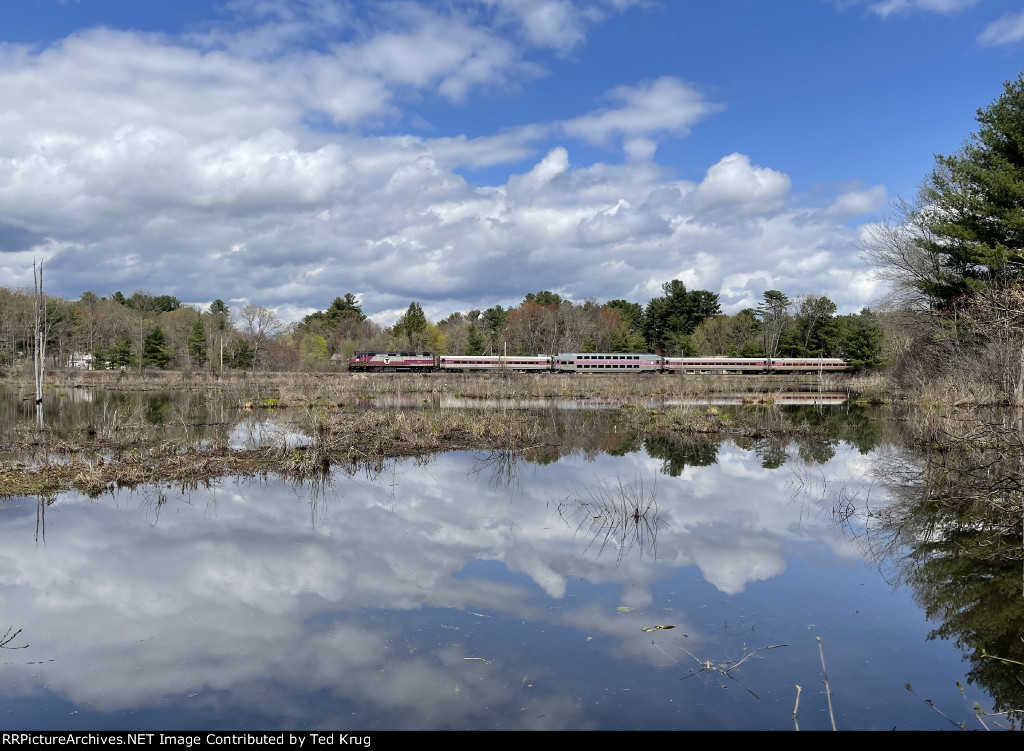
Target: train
column 587, row 362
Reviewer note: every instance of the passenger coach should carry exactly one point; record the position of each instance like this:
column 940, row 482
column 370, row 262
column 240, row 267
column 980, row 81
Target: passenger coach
column 716, row 364
column 614, row 362
column 464, row 363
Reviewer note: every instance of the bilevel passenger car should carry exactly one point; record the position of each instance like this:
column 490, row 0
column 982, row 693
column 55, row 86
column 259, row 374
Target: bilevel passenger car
column 463, row 363
column 589, row 362
column 716, row 364
column 615, row 362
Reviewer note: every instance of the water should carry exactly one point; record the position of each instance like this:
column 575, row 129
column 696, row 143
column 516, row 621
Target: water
column 478, row 591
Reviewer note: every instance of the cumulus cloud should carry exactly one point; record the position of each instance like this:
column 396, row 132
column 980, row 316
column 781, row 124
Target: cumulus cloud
column 734, row 182
column 1004, row 30
column 207, row 168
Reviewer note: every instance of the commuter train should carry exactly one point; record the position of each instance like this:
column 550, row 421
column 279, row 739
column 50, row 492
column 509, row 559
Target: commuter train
column 588, row 362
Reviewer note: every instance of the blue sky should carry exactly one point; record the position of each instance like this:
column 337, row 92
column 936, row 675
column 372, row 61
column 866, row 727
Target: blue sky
column 464, row 153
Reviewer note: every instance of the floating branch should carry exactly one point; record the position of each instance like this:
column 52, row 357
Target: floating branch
column 726, row 668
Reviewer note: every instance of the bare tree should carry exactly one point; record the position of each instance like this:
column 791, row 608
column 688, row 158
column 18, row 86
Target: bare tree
column 894, row 247
column 997, row 317
column 259, row 324
column 775, row 318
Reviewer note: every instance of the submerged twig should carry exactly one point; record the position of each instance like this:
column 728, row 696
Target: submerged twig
column 828, row 690
column 935, row 709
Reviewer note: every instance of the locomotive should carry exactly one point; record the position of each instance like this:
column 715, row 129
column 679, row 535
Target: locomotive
column 588, row 362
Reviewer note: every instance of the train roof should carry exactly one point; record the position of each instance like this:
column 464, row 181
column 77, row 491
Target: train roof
column 607, row 354
column 396, row 354
column 500, row 357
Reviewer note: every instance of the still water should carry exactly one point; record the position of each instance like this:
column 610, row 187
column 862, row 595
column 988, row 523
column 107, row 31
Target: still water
column 480, row 591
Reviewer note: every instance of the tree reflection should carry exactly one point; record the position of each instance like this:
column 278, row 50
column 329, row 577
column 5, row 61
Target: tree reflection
column 679, row 452
column 502, row 467
column 954, row 531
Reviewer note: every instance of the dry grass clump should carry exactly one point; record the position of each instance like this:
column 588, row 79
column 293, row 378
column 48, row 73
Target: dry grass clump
column 94, row 463
column 622, row 514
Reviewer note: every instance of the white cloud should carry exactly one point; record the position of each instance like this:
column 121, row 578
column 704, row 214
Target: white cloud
column 887, row 8
column 1004, row 30
column 854, row 203
column 734, row 182
column 212, row 173
column 548, row 23
column 558, row 24
column 666, row 105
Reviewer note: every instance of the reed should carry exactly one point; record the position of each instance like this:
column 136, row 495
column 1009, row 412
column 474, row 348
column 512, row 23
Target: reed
column 618, row 513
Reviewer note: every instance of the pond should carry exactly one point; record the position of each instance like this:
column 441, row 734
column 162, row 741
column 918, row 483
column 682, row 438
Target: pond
column 620, row 584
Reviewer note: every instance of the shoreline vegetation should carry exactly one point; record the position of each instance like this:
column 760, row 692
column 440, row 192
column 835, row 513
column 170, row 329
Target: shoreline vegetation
column 298, row 389
column 120, row 448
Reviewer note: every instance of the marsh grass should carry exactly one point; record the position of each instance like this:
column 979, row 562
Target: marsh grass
column 620, row 513
column 341, row 388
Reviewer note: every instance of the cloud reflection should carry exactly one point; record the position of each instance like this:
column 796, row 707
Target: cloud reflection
column 231, row 602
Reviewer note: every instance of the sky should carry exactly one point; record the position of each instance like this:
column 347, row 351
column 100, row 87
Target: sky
column 461, row 154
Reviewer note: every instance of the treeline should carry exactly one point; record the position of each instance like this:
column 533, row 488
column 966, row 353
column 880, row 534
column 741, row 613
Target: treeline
column 156, row 331
column 681, row 322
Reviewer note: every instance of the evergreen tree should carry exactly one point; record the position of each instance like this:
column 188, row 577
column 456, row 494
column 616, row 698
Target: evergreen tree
column 493, row 322
column 243, row 355
column 99, row 359
column 121, row 355
column 812, row 324
column 342, row 307
column 155, row 351
column 221, row 312
column 543, row 298
column 670, row 318
column 197, row 343
column 859, row 339
column 413, row 326
column 972, row 205
column 475, row 342
column 631, row 313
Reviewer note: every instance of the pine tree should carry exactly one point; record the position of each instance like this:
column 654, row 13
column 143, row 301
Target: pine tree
column 121, row 355
column 973, row 204
column 155, row 351
column 197, row 343
column 475, row 342
column 775, row 319
column 243, row 356
column 413, row 326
